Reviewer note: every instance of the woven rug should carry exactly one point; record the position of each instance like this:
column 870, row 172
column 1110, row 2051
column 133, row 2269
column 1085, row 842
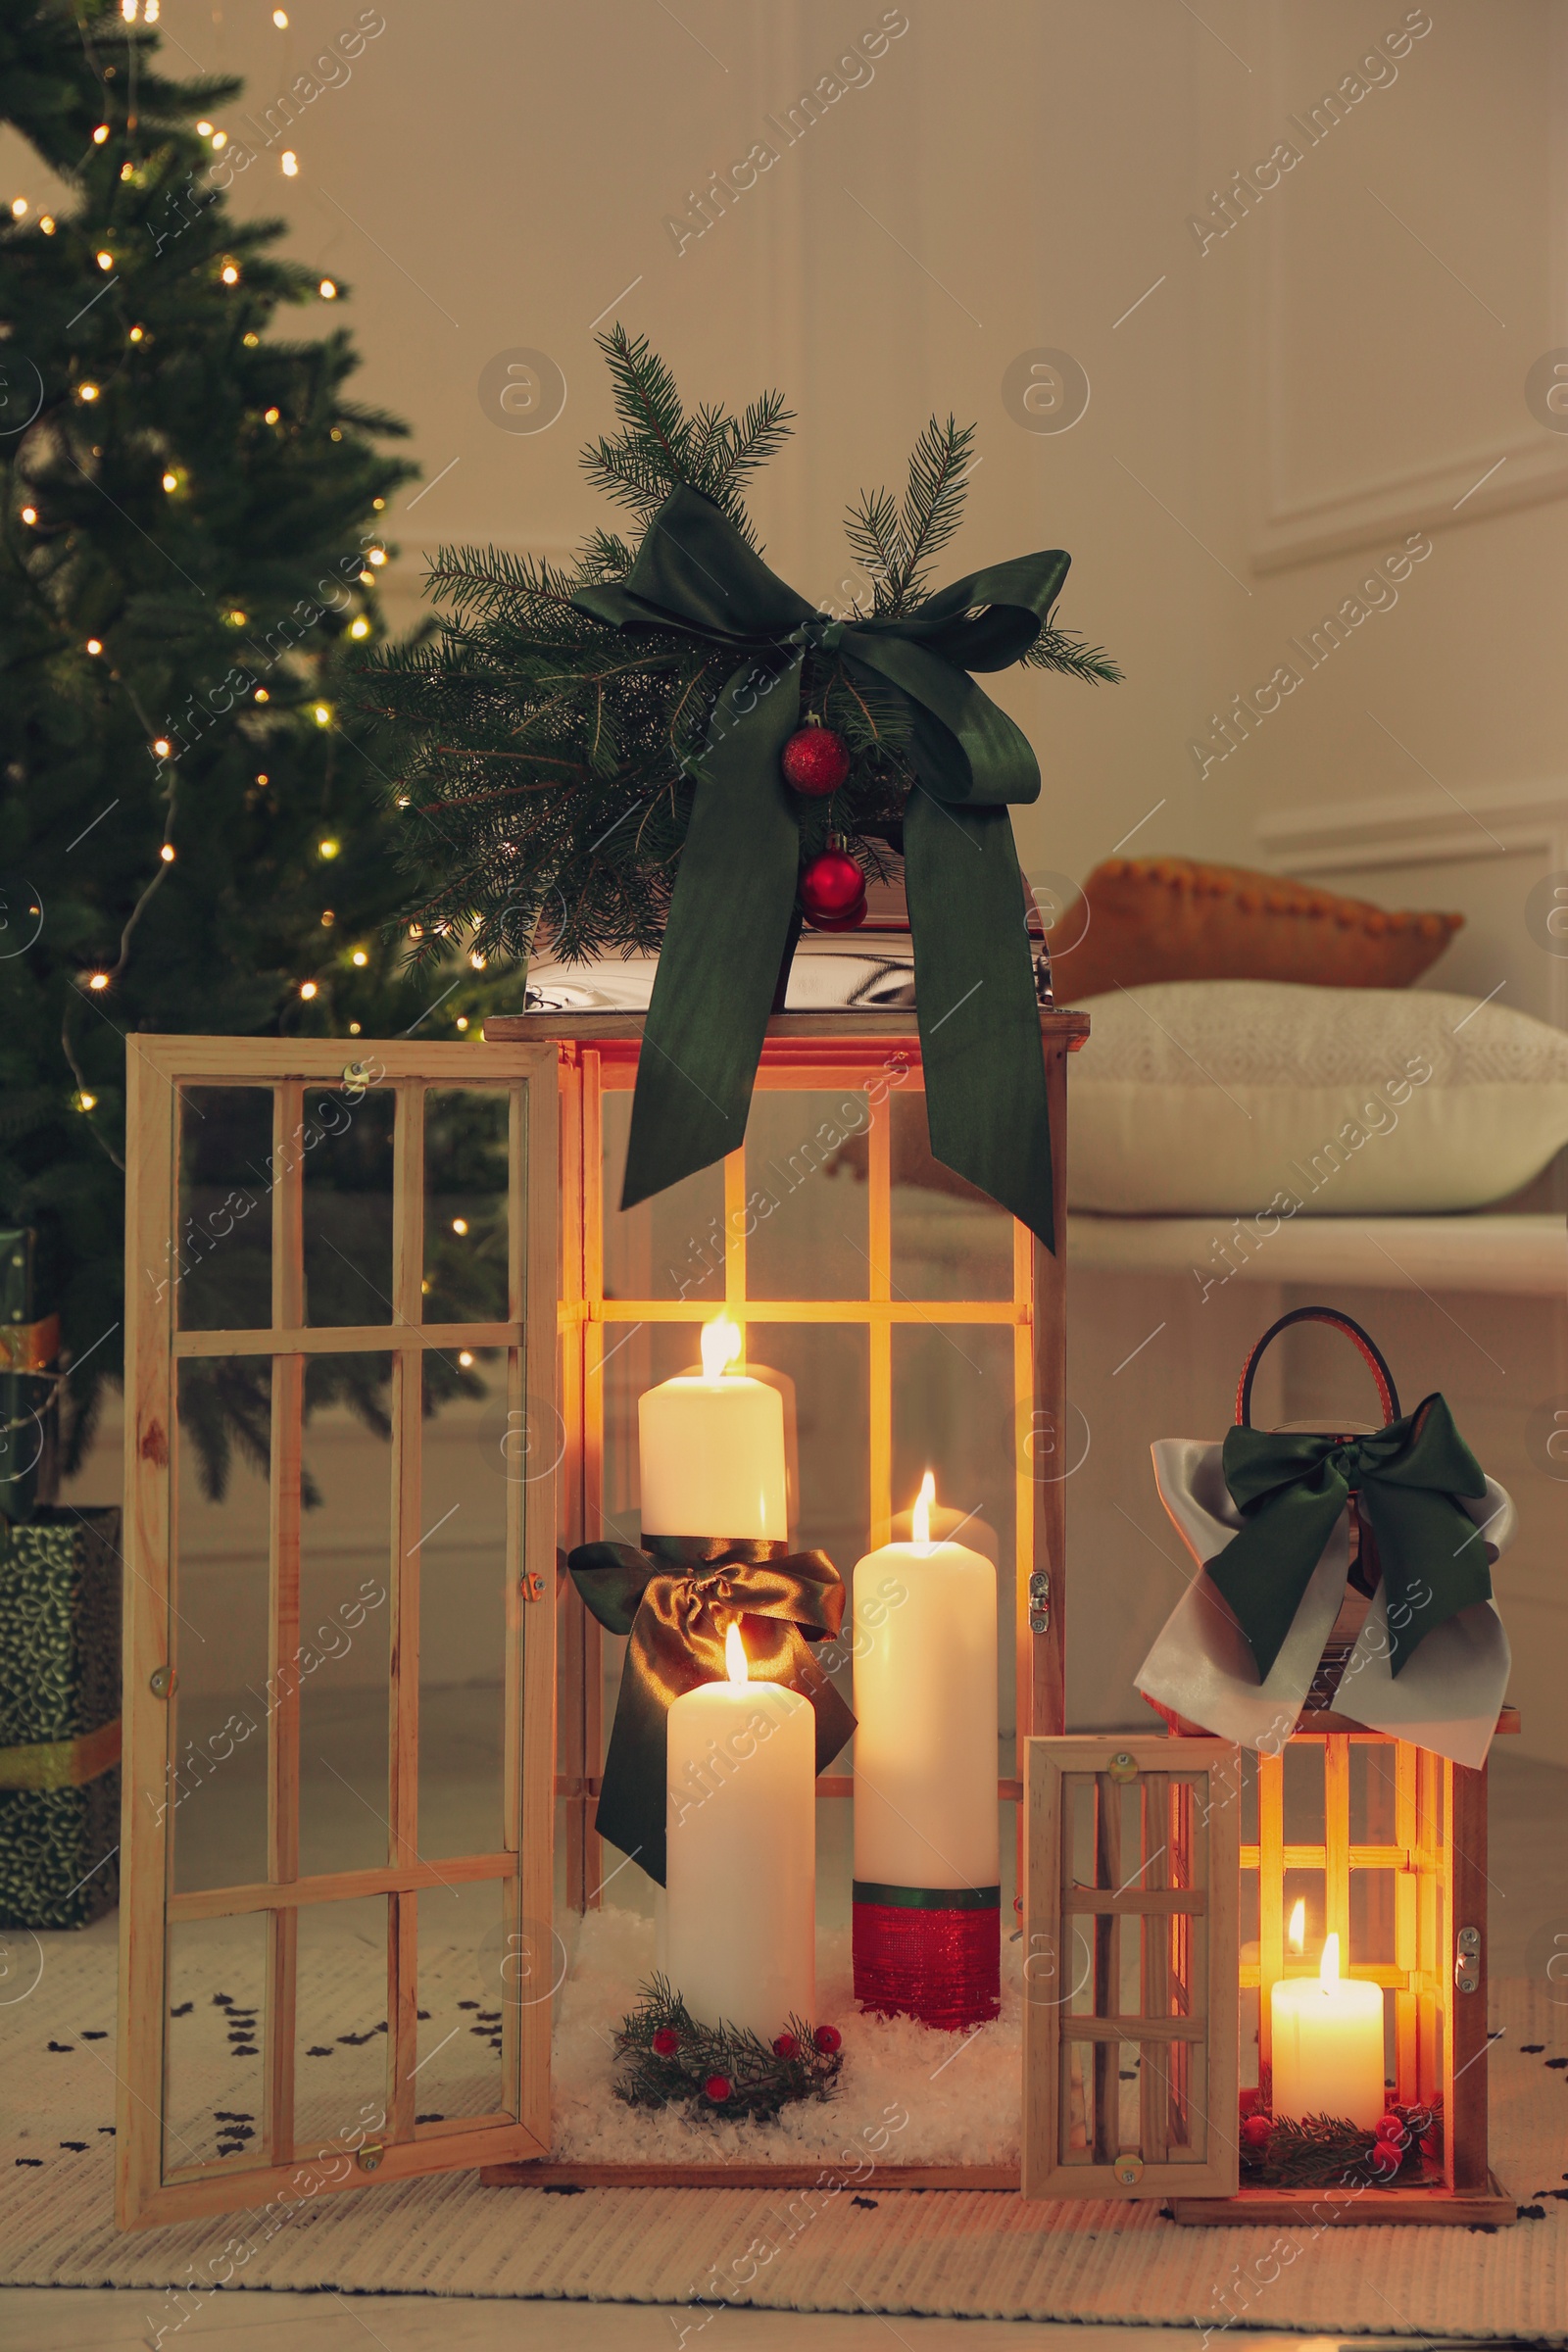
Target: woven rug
column 857, row 2248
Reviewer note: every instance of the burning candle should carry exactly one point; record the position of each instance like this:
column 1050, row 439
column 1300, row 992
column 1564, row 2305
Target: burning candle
column 927, row 1861
column 740, row 1933
column 711, row 1449
column 1328, row 2045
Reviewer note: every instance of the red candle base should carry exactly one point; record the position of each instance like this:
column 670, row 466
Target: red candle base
column 942, row 1965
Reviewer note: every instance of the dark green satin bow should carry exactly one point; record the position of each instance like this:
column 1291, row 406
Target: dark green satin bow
column 734, row 895
column 676, row 1598
column 1293, row 1486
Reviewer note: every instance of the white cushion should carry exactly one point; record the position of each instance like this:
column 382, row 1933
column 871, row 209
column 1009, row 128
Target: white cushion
column 1200, row 1096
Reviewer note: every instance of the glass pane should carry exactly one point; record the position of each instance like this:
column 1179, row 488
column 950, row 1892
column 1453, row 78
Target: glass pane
column 346, row 1155
column 463, row 1613
column 345, row 1615
column 824, row 1372
column 215, row 2043
column 467, row 1975
column 953, row 1414
column 218, row 1622
column 671, row 1247
column 806, row 1194
column 340, row 2022
column 465, row 1223
column 1371, row 1919
column 948, row 1241
column 224, row 1243
column 1304, row 1791
column 1372, row 1793
column 635, row 1357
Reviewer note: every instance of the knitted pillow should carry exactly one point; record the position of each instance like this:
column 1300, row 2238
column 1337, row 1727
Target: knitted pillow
column 1169, row 918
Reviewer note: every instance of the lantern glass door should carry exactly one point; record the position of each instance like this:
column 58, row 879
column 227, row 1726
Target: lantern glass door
column 336, row 1932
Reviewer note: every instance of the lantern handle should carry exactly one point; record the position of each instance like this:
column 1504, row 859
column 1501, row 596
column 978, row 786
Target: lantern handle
column 1388, row 1394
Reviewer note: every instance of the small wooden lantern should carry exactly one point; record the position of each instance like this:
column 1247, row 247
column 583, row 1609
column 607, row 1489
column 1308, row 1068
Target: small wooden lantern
column 1386, row 1845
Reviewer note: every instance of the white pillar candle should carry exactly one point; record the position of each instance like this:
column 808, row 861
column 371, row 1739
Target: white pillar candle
column 1328, row 2045
column 711, row 1450
column 925, row 1702
column 740, row 1932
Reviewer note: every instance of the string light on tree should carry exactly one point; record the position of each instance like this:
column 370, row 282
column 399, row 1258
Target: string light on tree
column 18, row 207
column 166, row 852
column 98, row 982
column 105, row 259
column 95, row 645
column 327, row 848
column 328, row 290
column 359, row 958
column 290, row 163
column 100, row 134
column 308, row 989
column 87, row 391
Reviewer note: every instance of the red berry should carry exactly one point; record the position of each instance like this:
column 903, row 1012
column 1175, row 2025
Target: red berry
column 1385, row 2159
column 717, row 2089
column 832, row 886
column 1392, row 2127
column 786, row 2046
column 666, row 2042
column 1258, row 2131
column 815, row 760
column 828, row 2039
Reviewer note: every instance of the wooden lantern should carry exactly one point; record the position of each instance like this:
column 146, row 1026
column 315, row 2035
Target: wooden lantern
column 1386, row 1845
column 233, row 2093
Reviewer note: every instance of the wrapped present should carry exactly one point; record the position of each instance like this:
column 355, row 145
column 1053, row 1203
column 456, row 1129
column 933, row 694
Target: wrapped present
column 59, row 1717
column 1346, row 1568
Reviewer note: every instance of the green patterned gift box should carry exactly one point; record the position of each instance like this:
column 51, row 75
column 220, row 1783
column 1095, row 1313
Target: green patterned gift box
column 59, row 1718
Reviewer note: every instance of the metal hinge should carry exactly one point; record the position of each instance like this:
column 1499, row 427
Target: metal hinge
column 1039, row 1601
column 1467, row 1960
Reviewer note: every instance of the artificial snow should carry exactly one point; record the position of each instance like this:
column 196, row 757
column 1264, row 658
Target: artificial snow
column 907, row 2093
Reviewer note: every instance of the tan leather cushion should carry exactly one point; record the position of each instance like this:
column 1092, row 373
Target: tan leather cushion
column 1170, row 918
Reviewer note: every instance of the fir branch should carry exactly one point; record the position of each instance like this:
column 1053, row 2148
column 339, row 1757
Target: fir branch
column 898, row 546
column 1062, row 649
column 668, row 2058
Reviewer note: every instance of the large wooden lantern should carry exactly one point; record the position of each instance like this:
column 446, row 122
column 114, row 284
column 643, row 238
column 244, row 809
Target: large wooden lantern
column 387, row 1329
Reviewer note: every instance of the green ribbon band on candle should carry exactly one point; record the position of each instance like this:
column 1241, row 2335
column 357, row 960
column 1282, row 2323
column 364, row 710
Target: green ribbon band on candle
column 729, row 915
column 1290, row 1487
column 675, row 1599
column 929, row 1898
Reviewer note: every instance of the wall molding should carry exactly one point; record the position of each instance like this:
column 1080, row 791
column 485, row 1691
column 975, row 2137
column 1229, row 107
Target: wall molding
column 1525, row 469
column 1494, row 820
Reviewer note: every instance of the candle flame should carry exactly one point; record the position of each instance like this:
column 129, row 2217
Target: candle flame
column 1329, row 1966
column 735, row 1664
column 920, row 1516
column 721, row 1347
column 1296, row 1933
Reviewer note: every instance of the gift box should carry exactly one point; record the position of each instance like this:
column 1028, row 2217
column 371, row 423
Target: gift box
column 30, row 1341
column 59, row 1718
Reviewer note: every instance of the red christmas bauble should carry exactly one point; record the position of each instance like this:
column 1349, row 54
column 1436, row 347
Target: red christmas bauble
column 828, row 2039
column 1258, row 2131
column 665, row 2043
column 815, row 760
column 832, row 887
column 717, row 2089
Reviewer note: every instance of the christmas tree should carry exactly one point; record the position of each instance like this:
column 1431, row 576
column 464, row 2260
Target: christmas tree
column 193, row 837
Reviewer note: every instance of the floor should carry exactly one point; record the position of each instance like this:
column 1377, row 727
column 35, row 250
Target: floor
column 43, row 2320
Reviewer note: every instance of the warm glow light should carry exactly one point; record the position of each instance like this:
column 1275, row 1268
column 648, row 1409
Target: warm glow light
column 86, row 392
column 378, row 555
column 460, row 1224
column 230, row 275
column 30, row 513
column 105, row 261
column 163, row 747
column 85, row 1102
column 204, row 130
column 272, row 416
column 170, row 482
column 95, row 645
column 281, row 19
column 721, row 1347
column 262, row 695
column 100, row 134
column 477, row 960
column 327, row 849
column 379, row 504
column 464, row 1358
column 166, row 852
column 920, row 1516
column 359, row 627
column 1328, row 1970
column 735, row 1665
column 1296, row 1933
column 18, row 207
column 328, row 291
column 462, row 1020
column 359, row 958
column 47, row 224
column 136, row 335
column 323, row 714
column 306, row 989
column 219, row 138
column 99, row 980
column 292, row 163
